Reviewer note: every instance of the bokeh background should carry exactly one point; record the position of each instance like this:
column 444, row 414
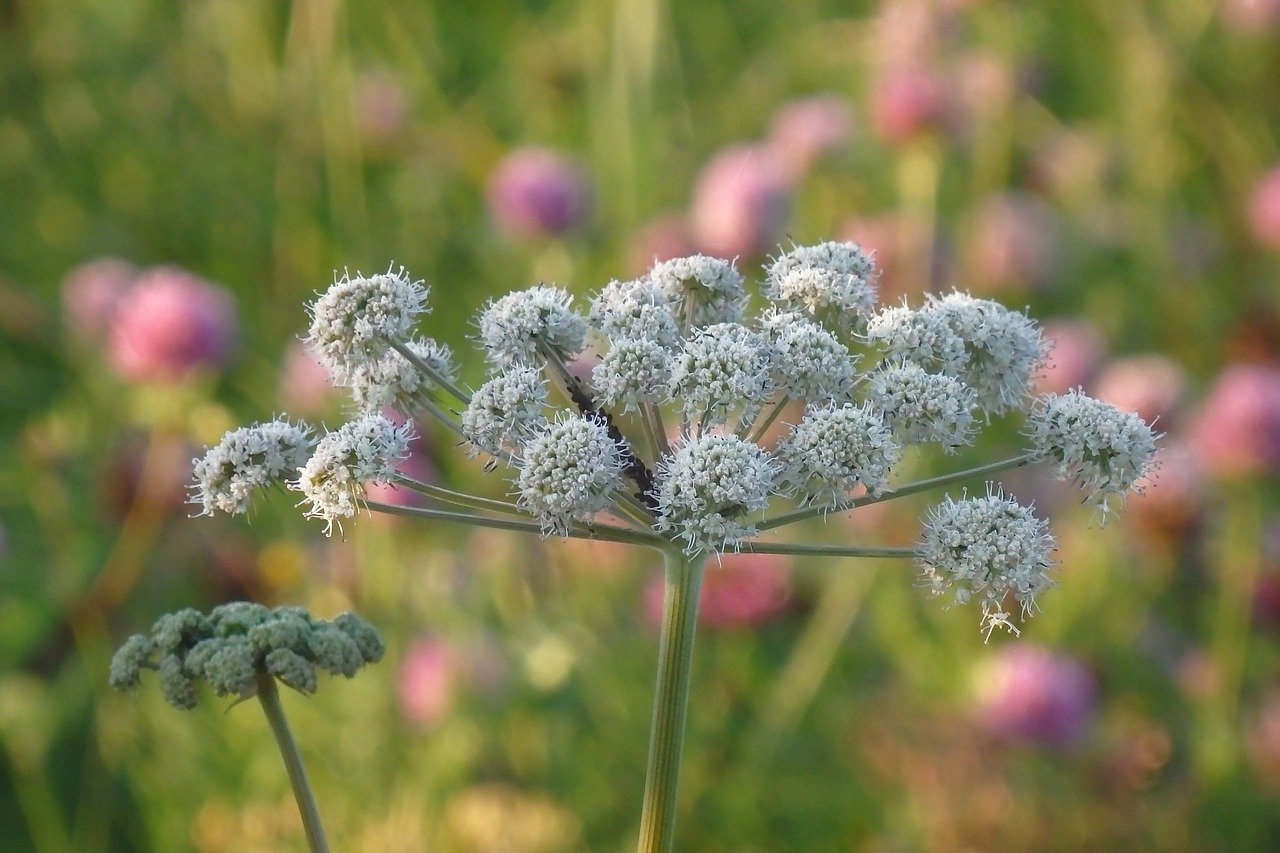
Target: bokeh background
column 177, row 179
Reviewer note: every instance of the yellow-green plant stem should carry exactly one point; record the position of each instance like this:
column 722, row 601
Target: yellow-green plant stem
column 683, row 582
column 269, row 696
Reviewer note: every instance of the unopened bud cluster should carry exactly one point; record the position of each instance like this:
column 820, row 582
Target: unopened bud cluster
column 666, row 410
column 231, row 646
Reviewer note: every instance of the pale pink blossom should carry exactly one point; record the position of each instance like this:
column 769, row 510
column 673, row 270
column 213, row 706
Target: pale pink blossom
column 1077, row 351
column 1013, row 243
column 804, row 131
column 1264, row 209
column 91, row 293
column 1237, row 428
column 1150, row 385
column 1029, row 693
column 535, row 192
column 741, row 203
column 172, row 323
column 305, row 385
column 738, row 591
column 426, row 681
column 904, row 101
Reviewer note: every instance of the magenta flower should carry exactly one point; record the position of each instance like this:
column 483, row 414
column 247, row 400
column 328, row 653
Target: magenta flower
column 804, row 131
column 427, row 678
column 741, row 203
column 91, row 293
column 1237, row 429
column 1029, row 693
column 1264, row 210
column 1073, row 360
column 535, row 192
column 172, row 323
column 904, row 101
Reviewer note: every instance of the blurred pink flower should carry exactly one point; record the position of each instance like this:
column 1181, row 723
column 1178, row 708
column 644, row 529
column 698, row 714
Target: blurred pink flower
column 741, row 203
column 1237, row 428
column 1029, row 693
column 1013, row 242
column 1150, row 385
column 1167, row 501
column 906, row 31
column 1073, row 361
column 535, row 192
column 305, row 386
column 804, row 131
column 660, row 239
column 172, row 323
column 381, row 109
column 904, row 100
column 91, row 293
column 739, row 591
column 1264, row 210
column 1262, row 742
column 984, row 88
column 1250, row 17
column 427, row 678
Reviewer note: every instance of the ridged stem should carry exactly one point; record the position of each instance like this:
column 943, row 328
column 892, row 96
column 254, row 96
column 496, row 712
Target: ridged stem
column 683, row 582
column 269, row 697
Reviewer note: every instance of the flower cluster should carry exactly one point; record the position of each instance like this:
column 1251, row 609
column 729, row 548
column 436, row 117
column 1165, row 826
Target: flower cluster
column 247, row 459
column 233, row 645
column 666, row 415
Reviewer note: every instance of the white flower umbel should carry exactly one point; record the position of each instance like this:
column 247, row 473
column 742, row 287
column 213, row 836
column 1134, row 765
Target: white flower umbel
column 569, row 472
column 353, row 321
column 833, row 450
column 834, row 282
column 1003, row 348
column 634, row 309
column 363, row 451
column 505, row 411
column 1095, row 444
column 989, row 547
column 721, row 368
column 701, row 290
column 924, row 407
column 634, row 371
column 394, row 381
column 247, row 459
column 920, row 337
column 515, row 328
column 808, row 362
column 706, row 487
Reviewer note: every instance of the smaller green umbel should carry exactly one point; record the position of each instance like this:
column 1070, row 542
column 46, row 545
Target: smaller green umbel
column 241, row 649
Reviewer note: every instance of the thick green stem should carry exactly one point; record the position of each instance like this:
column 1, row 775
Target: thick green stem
column 270, row 699
column 671, row 700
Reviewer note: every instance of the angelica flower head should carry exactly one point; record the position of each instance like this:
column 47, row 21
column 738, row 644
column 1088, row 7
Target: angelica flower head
column 830, row 281
column 634, row 371
column 707, row 486
column 363, row 451
column 505, row 411
column 834, row 449
column 1105, row 450
column 247, row 459
column 395, row 382
column 569, row 472
column 518, row 327
column 634, row 309
column 919, row 337
column 722, row 367
column 808, row 362
column 234, row 644
column 924, row 407
column 701, row 290
column 354, row 319
column 989, row 547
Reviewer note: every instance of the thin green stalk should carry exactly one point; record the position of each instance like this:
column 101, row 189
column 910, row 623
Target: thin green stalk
column 826, row 550
column 457, row 498
column 594, row 530
column 759, row 431
column 269, row 697
column 659, row 429
column 433, row 408
column 900, row 491
column 671, row 700
column 435, row 375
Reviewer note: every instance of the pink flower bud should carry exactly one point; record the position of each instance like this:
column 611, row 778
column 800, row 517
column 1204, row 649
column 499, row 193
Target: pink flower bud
column 172, row 323
column 806, row 130
column 427, row 677
column 1264, row 210
column 535, row 192
column 91, row 293
column 741, row 203
column 1028, row 693
column 904, row 101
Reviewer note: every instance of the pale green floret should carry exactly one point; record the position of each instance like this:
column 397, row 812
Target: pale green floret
column 505, row 411
column 634, row 309
column 918, row 337
column 236, row 643
column 334, row 651
column 923, row 407
column 394, row 381
column 231, row 669
column 130, row 659
column 246, row 460
column 178, row 690
column 834, row 450
column 569, row 472
column 1104, row 450
column 701, row 290
column 347, row 459
column 723, row 368
column 352, row 322
column 366, row 637
column 989, row 548
column 634, row 372
column 707, row 486
column 292, row 669
column 808, row 362
column 515, row 329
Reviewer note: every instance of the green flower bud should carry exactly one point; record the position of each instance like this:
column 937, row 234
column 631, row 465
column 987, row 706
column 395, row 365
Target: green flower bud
column 237, row 617
column 333, row 650
column 179, row 691
column 172, row 631
column 366, row 637
column 231, row 669
column 128, row 662
column 288, row 631
column 293, row 669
